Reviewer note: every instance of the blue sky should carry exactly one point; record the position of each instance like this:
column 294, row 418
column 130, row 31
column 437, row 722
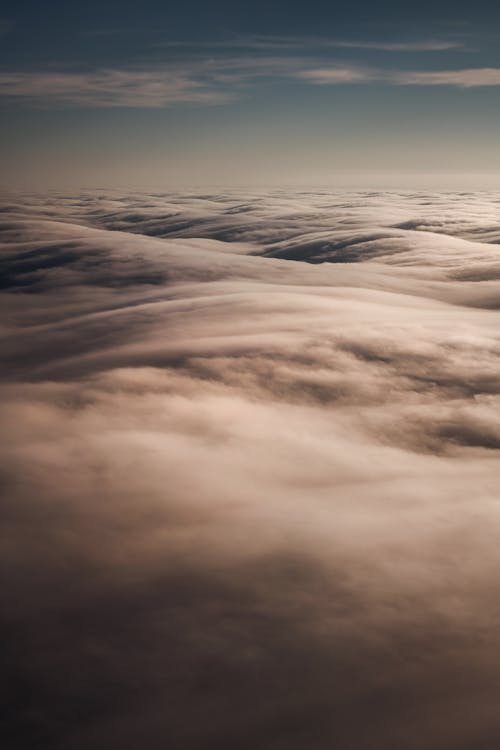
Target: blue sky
column 166, row 94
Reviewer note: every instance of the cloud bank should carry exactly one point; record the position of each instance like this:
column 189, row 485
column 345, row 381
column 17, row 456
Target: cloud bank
column 250, row 470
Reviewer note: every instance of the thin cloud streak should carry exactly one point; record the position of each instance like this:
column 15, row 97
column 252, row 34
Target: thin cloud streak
column 291, row 42
column 212, row 82
column 431, row 45
column 330, row 76
column 110, row 88
column 466, row 78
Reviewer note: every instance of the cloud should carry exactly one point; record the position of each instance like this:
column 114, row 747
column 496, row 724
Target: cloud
column 467, row 78
column 424, row 45
column 206, row 81
column 336, row 75
column 276, row 42
column 212, row 81
column 109, row 88
column 250, row 466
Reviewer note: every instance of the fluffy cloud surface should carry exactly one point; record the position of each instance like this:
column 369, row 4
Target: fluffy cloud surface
column 250, row 470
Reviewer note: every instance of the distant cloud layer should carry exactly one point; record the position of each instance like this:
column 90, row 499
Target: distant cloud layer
column 249, row 463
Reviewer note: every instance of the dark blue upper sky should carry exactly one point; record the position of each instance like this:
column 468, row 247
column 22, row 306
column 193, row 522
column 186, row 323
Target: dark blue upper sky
column 57, row 30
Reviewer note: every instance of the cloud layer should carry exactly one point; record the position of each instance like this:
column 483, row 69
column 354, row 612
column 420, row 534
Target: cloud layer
column 250, row 469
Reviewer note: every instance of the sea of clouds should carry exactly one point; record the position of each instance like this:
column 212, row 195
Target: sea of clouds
column 250, row 470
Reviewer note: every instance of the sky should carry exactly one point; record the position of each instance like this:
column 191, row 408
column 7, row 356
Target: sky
column 157, row 94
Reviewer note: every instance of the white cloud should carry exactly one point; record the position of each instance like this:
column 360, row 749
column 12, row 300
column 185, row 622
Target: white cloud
column 244, row 495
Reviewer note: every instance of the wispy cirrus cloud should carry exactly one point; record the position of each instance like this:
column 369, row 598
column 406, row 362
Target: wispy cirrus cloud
column 336, row 75
column 423, row 45
column 193, row 80
column 110, row 88
column 465, row 78
column 212, row 81
column 275, row 42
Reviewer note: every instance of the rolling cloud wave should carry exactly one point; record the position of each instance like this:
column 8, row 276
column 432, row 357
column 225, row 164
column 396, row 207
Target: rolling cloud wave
column 250, row 469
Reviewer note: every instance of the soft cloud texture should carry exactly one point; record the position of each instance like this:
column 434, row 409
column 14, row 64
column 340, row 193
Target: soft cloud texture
column 250, row 469
column 214, row 80
column 467, row 78
column 424, row 45
column 274, row 42
column 334, row 75
column 109, row 88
